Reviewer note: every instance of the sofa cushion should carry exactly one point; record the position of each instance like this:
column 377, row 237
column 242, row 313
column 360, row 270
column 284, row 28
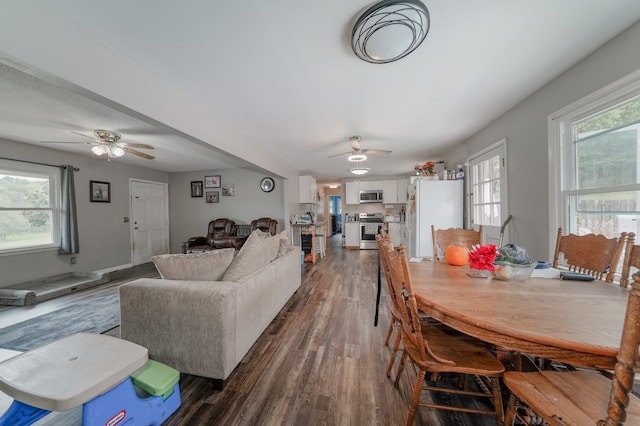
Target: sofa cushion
column 207, row 266
column 260, row 249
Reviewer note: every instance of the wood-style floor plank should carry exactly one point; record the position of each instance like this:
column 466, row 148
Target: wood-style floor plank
column 320, row 362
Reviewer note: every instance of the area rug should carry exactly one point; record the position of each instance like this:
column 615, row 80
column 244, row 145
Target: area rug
column 95, row 316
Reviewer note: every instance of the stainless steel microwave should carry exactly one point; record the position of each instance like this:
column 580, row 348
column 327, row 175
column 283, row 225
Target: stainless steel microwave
column 373, row 196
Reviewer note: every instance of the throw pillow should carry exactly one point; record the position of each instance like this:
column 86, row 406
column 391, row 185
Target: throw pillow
column 284, row 243
column 259, row 249
column 208, row 266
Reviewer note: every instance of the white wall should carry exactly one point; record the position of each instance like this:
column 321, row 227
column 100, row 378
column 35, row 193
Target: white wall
column 190, row 217
column 525, row 127
column 105, row 240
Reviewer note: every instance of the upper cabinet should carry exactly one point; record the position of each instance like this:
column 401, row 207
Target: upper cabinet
column 402, row 190
column 352, row 192
column 367, row 185
column 307, row 190
column 393, row 191
column 389, row 191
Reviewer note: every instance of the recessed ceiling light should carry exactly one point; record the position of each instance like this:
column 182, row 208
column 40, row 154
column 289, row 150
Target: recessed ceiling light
column 333, row 185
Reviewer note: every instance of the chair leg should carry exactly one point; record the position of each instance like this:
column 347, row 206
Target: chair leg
column 415, row 396
column 391, row 327
column 510, row 414
column 403, row 360
column 497, row 399
column 394, row 352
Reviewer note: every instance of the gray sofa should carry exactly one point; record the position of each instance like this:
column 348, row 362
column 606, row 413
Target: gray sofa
column 205, row 328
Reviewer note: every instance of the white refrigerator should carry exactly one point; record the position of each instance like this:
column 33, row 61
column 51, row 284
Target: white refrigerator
column 432, row 202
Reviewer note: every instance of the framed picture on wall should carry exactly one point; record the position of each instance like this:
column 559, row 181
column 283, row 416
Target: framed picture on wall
column 196, row 188
column 212, row 181
column 213, row 196
column 99, row 192
column 227, row 190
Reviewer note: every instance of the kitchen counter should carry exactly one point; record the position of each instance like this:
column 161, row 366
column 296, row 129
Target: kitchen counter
column 315, row 229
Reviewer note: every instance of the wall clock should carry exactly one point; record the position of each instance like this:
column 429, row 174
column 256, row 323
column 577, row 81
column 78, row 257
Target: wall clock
column 267, row 184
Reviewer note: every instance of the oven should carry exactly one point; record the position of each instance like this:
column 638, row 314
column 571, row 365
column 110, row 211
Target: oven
column 370, row 226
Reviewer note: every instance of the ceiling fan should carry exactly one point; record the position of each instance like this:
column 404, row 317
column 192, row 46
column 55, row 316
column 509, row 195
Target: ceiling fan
column 108, row 143
column 357, row 153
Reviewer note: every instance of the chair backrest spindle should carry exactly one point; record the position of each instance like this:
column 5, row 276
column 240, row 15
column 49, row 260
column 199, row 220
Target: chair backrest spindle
column 442, row 238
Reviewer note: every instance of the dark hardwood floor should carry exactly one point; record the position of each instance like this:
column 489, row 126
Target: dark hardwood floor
column 320, row 362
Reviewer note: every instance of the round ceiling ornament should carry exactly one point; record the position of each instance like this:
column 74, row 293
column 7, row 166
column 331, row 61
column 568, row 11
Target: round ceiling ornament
column 267, row 184
column 390, row 30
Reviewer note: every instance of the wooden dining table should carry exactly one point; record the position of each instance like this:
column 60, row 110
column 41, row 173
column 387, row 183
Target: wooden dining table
column 574, row 322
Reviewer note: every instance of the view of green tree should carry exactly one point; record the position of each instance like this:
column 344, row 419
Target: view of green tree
column 607, row 147
column 620, row 116
column 17, row 192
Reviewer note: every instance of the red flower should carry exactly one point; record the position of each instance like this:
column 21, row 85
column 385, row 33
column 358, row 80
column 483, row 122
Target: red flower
column 482, row 257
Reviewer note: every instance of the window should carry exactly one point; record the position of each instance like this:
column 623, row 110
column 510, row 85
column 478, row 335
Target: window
column 598, row 187
column 487, row 191
column 29, row 207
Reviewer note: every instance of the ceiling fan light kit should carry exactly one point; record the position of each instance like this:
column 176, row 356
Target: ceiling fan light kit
column 357, row 157
column 359, row 170
column 112, row 151
column 108, row 143
column 390, row 30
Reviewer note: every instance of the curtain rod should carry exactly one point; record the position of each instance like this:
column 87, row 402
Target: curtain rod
column 41, row 164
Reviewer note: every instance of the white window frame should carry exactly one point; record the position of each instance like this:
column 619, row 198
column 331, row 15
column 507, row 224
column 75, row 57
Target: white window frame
column 35, row 170
column 490, row 233
column 561, row 173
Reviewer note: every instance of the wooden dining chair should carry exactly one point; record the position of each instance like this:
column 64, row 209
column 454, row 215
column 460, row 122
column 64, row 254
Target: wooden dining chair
column 591, row 254
column 579, row 397
column 385, row 247
column 442, row 238
column 631, row 260
column 434, row 351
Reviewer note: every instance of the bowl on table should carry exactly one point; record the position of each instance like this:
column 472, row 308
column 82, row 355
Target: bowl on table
column 507, row 271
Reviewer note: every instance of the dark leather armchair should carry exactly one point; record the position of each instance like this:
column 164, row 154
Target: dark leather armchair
column 224, row 233
column 265, row 224
column 218, row 230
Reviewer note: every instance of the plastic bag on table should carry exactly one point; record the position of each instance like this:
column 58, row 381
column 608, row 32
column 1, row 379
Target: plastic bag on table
column 514, row 253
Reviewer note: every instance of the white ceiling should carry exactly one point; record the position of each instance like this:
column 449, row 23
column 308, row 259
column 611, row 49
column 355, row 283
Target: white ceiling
column 276, row 82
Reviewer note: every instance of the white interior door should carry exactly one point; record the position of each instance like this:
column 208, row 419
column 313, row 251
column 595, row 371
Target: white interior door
column 487, row 192
column 149, row 220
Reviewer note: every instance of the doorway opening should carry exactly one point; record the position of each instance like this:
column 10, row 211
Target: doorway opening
column 335, row 211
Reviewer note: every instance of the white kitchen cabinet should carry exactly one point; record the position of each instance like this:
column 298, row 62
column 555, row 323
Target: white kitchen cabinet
column 352, row 192
column 402, row 185
column 352, row 234
column 389, row 191
column 307, row 190
column 398, row 233
column 368, row 185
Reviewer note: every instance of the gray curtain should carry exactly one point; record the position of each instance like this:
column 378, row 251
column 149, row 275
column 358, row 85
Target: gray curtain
column 68, row 214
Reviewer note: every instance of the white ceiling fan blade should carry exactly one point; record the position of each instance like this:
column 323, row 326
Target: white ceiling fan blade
column 135, row 145
column 82, row 134
column 340, row 155
column 138, row 153
column 375, row 151
column 83, row 143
